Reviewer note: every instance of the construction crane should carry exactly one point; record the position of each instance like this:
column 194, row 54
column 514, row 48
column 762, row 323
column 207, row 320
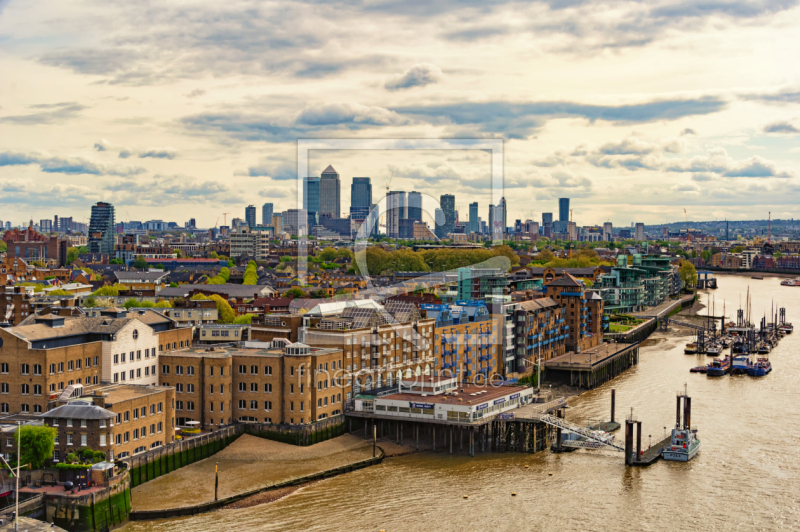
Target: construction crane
column 224, row 218
column 216, row 223
column 382, row 220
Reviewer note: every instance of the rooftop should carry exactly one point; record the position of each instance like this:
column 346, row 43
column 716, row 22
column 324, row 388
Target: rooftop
column 116, row 393
column 79, row 410
column 462, row 395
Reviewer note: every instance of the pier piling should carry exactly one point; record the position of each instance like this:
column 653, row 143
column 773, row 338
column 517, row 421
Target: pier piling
column 613, row 401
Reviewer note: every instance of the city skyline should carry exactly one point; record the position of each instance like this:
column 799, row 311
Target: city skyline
column 183, row 121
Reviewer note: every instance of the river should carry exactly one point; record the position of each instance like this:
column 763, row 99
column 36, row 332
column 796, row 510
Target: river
column 746, row 476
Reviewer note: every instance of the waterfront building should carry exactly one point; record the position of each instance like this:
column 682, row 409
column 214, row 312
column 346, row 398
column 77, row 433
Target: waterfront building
column 466, row 341
column 476, row 284
column 583, row 312
column 45, row 354
column 638, row 282
column 121, row 420
column 541, row 333
column 330, row 193
column 101, row 229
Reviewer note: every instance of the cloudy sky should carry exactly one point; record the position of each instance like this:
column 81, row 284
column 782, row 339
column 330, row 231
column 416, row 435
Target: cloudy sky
column 180, row 109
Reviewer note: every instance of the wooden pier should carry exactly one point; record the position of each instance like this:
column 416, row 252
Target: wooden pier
column 593, row 367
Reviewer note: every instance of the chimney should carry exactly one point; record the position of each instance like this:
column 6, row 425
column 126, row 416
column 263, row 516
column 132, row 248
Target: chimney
column 98, row 399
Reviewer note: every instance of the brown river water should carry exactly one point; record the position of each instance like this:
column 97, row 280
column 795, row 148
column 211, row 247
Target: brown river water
column 746, row 476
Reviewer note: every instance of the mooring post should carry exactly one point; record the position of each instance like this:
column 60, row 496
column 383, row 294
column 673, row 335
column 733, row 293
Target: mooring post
column 638, row 440
column 559, row 414
column 678, row 413
column 433, row 429
column 687, row 412
column 613, row 401
column 451, row 440
column 416, row 435
column 628, row 442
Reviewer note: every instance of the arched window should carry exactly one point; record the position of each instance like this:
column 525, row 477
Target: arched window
column 368, row 382
column 417, row 371
column 408, row 373
column 135, row 334
column 427, row 369
column 389, row 379
column 357, row 386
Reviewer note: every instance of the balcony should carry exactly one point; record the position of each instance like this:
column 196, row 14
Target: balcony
column 484, row 358
column 469, row 360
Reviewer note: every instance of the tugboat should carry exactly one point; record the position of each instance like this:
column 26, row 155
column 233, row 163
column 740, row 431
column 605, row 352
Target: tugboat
column 683, row 446
column 718, row 367
column 690, row 349
column 760, row 368
column 787, row 328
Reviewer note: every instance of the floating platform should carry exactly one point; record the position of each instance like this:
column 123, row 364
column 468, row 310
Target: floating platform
column 651, row 455
column 606, row 426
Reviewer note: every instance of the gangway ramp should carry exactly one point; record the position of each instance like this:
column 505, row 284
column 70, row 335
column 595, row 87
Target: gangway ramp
column 591, row 435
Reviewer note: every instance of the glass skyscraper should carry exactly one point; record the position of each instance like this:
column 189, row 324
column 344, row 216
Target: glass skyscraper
column 101, row 229
column 311, row 199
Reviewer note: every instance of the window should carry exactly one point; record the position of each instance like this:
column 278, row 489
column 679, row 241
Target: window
column 4, row 387
column 242, row 370
column 144, row 432
column 179, row 405
column 4, row 367
column 61, row 367
column 122, row 358
column 37, row 389
column 211, row 371
column 267, row 405
column 88, row 362
column 302, row 404
column 221, row 372
column 211, row 406
column 267, row 370
column 242, row 387
column 26, row 368
column 135, row 434
column 179, row 387
column 146, row 372
column 253, row 405
column 83, row 440
column 127, row 437
column 147, row 353
column 131, row 374
column 4, row 408
column 77, row 365
column 70, row 365
column 253, row 370
column 190, row 388
column 37, row 369
column 165, row 370
column 144, row 411
column 69, row 439
column 190, row 405
column 135, row 414
column 267, row 387
column 254, row 387
column 190, row 370
column 160, row 407
column 221, row 406
column 152, row 410
column 96, row 361
column 127, row 416
column 160, row 426
column 102, row 440
column 116, row 377
column 56, row 456
column 242, row 403
column 116, row 359
column 221, row 388
column 25, row 389
column 135, row 334
column 178, row 370
column 52, row 369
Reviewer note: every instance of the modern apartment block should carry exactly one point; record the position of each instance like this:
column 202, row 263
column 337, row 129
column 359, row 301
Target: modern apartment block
column 540, row 331
column 250, row 215
column 415, row 206
column 466, row 342
column 360, row 198
column 583, row 312
column 448, row 204
column 266, row 214
column 396, row 210
column 251, row 242
column 47, row 353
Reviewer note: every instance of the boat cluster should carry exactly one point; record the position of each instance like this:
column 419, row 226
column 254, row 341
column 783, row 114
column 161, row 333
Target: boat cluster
column 749, row 350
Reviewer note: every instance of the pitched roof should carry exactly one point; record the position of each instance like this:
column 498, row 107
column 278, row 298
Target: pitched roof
column 329, row 170
column 79, row 410
column 139, row 276
column 538, row 304
column 565, row 280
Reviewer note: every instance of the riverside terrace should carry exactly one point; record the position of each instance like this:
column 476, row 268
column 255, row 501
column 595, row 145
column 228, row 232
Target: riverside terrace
column 455, row 407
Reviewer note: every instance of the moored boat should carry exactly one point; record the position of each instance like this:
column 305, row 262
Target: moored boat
column 714, row 350
column 683, row 445
column 719, row 367
column 690, row 349
column 760, row 368
column 741, row 364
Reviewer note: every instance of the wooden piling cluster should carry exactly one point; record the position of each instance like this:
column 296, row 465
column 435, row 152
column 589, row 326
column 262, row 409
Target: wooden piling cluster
column 519, row 436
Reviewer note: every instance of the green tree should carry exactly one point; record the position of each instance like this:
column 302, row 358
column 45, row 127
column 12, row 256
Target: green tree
column 177, row 252
column 777, row 254
column 243, row 319
column 4, row 247
column 140, row 263
column 110, row 290
column 688, row 274
column 90, row 302
column 295, row 292
column 173, row 285
column 36, row 444
column 72, row 254
column 225, row 313
column 116, row 261
column 737, row 249
column 327, row 255
column 163, row 304
column 59, row 293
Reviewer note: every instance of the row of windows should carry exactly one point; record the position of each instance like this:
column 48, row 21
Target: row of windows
column 179, row 370
column 135, row 373
column 139, row 433
column 25, row 389
column 254, row 387
column 36, row 369
column 253, row 370
column 139, row 412
column 87, row 381
column 37, row 409
column 254, row 405
column 137, row 355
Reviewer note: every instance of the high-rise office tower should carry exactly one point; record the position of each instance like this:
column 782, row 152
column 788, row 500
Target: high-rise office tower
column 547, row 219
column 396, row 210
column 495, row 222
column 266, row 214
column 415, row 206
column 250, row 215
column 474, row 225
column 503, row 213
column 330, row 203
column 607, row 231
column 360, row 198
column 101, row 229
column 448, row 204
column 310, row 199
column 563, row 209
column 640, row 236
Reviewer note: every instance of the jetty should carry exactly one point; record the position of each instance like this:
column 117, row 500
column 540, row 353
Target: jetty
column 592, row 367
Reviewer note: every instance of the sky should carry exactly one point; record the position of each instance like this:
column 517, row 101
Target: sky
column 180, row 109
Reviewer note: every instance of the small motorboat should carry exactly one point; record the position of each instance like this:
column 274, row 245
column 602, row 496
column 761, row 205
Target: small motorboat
column 690, row 349
column 714, row 350
column 760, row 368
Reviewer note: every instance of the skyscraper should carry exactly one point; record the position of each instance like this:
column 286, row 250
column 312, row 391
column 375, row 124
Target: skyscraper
column 547, row 219
column 563, row 209
column 640, row 236
column 360, row 197
column 448, row 203
column 266, row 214
column 415, row 206
column 101, row 229
column 250, row 215
column 496, row 222
column 330, row 203
column 396, row 210
column 608, row 229
column 311, row 199
column 474, row 223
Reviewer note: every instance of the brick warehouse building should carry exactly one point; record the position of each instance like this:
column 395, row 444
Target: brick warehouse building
column 120, row 419
column 46, row 354
column 261, row 382
column 30, row 245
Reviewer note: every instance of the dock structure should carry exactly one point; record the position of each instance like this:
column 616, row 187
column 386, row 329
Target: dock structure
column 593, row 367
